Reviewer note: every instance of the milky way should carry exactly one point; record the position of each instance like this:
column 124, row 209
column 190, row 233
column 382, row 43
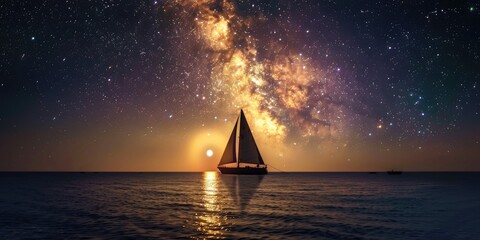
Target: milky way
column 280, row 87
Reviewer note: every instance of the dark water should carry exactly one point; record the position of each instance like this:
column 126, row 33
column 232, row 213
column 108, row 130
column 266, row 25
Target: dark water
column 209, row 205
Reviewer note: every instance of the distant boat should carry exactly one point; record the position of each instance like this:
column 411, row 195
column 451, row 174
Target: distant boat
column 245, row 154
column 393, row 172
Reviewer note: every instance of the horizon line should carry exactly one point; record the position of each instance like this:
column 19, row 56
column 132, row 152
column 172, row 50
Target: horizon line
column 384, row 171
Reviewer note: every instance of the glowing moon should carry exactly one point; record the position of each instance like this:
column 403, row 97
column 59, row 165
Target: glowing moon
column 209, row 153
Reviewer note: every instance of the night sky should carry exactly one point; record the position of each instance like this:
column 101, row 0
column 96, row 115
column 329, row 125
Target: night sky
column 325, row 85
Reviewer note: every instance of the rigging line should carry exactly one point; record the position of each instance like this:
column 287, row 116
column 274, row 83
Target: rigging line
column 270, row 165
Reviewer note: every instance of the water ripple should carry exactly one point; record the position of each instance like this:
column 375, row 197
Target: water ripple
column 209, row 205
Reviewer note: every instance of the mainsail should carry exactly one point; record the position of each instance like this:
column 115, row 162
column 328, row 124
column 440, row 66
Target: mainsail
column 229, row 155
column 247, row 148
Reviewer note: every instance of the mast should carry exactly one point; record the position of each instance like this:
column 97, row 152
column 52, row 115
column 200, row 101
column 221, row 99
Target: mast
column 238, row 149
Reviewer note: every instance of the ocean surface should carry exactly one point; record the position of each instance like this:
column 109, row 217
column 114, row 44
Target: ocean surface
column 211, row 205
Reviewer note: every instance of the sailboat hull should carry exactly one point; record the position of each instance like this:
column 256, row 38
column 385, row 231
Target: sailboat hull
column 243, row 171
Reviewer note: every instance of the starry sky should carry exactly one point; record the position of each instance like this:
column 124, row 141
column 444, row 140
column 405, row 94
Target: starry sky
column 105, row 85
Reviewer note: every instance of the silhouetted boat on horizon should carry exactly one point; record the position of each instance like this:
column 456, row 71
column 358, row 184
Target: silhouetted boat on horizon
column 243, row 152
column 393, row 172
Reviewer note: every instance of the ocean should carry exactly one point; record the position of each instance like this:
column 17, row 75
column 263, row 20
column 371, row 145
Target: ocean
column 211, row 205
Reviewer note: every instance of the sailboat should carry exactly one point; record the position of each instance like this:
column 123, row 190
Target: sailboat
column 242, row 156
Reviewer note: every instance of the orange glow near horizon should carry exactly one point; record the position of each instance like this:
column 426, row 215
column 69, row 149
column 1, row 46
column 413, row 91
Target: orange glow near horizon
column 205, row 149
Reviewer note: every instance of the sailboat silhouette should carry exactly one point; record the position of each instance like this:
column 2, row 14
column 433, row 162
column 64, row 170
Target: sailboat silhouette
column 246, row 155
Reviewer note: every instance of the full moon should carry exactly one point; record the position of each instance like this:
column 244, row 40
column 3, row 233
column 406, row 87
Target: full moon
column 209, row 153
